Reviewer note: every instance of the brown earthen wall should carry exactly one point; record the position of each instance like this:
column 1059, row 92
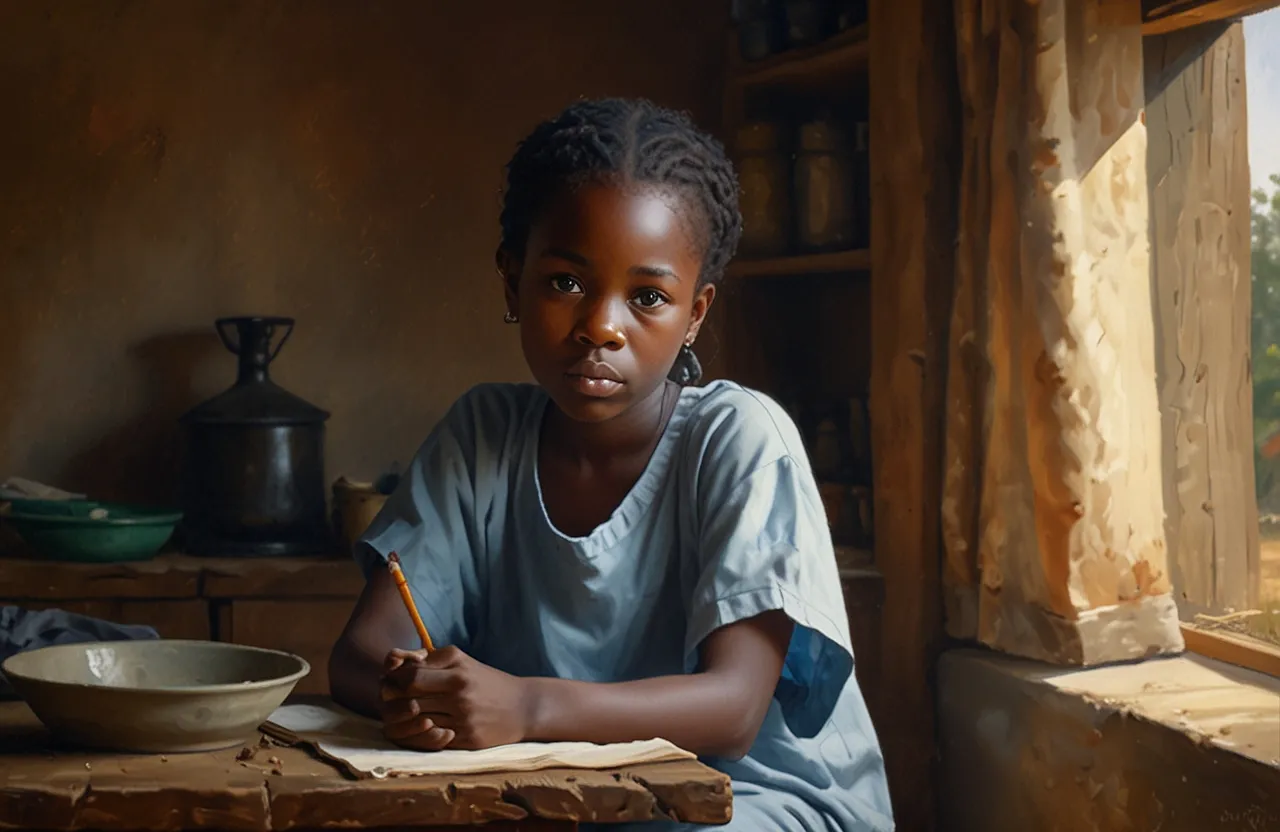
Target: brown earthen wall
column 165, row 163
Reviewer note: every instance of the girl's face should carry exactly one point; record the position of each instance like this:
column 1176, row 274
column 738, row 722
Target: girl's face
column 607, row 294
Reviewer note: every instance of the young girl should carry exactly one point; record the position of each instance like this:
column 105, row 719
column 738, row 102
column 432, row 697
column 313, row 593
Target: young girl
column 615, row 554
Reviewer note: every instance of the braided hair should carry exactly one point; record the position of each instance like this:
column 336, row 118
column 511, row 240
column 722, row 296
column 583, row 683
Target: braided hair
column 630, row 141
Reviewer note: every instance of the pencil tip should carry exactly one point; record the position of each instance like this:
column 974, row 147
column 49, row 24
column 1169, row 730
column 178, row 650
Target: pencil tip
column 393, row 558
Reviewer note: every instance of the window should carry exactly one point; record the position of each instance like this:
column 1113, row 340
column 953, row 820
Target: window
column 1213, row 118
column 1262, row 62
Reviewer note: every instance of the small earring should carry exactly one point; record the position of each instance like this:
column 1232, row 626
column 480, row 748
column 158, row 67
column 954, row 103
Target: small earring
column 509, row 318
column 687, row 370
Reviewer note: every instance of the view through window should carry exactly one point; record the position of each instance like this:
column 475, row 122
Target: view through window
column 1262, row 61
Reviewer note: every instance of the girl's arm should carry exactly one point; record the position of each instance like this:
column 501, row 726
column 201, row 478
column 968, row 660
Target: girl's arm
column 377, row 625
column 716, row 711
column 450, row 699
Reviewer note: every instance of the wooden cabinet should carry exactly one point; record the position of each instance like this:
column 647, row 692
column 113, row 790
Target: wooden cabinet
column 307, row 627
column 170, row 618
column 798, row 325
column 299, row 605
column 864, row 602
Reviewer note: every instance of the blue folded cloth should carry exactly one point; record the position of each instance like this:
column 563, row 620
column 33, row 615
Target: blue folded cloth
column 22, row 630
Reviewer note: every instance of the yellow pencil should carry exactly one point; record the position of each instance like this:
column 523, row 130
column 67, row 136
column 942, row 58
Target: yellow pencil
column 397, row 574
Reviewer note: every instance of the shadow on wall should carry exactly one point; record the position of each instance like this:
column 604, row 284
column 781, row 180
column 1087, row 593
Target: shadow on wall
column 138, row 461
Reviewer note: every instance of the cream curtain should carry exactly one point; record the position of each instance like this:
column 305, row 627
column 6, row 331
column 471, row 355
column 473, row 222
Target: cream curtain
column 1052, row 499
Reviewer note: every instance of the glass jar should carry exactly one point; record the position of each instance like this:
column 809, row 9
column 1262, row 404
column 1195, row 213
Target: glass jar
column 862, row 184
column 809, row 22
column 851, row 13
column 763, row 174
column 823, row 182
column 760, row 29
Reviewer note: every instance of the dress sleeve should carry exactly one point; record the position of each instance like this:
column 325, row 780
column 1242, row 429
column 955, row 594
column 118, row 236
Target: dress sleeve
column 430, row 522
column 764, row 544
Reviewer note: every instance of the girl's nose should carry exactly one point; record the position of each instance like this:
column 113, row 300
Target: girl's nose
column 601, row 326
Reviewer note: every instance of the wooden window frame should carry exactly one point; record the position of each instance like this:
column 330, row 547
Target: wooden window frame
column 1233, row 648
column 1164, row 16
column 1214, row 554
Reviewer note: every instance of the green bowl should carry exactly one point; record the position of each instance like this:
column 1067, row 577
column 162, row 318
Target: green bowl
column 91, row 532
column 73, row 508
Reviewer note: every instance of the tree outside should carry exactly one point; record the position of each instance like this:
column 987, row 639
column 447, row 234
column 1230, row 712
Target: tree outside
column 1265, row 344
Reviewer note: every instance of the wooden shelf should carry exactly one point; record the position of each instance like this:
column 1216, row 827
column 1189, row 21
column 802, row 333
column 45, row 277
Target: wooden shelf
column 856, row 260
column 180, row 576
column 843, row 56
column 860, row 573
column 856, row 563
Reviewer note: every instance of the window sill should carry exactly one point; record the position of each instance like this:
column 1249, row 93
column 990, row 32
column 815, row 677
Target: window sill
column 1212, row 702
column 1233, row 648
column 1184, row 742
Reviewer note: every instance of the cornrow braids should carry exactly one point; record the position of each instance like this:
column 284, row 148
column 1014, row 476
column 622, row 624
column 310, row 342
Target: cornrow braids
column 637, row 142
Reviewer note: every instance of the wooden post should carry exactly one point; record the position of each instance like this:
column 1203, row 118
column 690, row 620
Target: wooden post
column 914, row 143
column 1052, row 338
column 1198, row 167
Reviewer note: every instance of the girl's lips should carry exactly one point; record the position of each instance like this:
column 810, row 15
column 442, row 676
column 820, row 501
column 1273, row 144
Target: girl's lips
column 593, row 386
column 588, row 368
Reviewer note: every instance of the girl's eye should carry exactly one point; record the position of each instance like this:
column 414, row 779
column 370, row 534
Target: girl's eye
column 565, row 283
column 649, row 298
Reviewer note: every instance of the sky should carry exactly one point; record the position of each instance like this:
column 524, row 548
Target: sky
column 1262, row 85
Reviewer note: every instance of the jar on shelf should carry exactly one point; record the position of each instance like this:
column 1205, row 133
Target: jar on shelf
column 848, row 509
column 862, row 184
column 829, row 456
column 860, row 440
column 761, row 32
column 823, row 185
column 851, row 13
column 763, row 174
column 809, row 21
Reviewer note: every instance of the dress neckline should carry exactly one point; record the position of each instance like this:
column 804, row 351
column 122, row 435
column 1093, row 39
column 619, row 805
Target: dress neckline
column 637, row 501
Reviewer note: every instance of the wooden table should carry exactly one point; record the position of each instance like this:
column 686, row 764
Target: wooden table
column 287, row 788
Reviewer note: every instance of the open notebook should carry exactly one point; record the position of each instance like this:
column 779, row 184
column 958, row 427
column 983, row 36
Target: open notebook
column 356, row 743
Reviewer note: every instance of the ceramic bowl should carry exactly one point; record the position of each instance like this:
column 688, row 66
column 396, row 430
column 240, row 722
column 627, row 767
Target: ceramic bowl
column 163, row 696
column 89, row 531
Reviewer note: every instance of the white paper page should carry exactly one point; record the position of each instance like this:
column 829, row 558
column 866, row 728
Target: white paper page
column 357, row 743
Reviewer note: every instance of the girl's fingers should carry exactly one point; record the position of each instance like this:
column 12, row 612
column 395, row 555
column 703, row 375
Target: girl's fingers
column 420, row 732
column 437, row 739
column 447, row 656
column 415, row 680
column 397, row 731
column 400, row 710
column 441, row 711
column 398, row 657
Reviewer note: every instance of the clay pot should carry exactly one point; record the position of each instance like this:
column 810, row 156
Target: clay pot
column 355, row 504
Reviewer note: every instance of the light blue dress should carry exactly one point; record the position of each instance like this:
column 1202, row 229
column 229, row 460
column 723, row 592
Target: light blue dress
column 724, row 523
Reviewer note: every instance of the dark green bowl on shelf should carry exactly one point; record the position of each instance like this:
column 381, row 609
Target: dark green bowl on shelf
column 90, row 532
column 62, row 508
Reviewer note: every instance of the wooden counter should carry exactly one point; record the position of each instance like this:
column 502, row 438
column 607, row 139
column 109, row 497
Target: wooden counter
column 294, row 604
column 44, row 788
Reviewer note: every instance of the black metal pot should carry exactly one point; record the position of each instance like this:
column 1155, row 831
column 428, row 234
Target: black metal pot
column 253, row 472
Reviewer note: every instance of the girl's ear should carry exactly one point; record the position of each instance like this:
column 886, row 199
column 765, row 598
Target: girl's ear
column 701, row 303
column 509, row 270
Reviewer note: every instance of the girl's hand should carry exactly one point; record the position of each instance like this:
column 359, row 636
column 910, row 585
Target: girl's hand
column 446, row 699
